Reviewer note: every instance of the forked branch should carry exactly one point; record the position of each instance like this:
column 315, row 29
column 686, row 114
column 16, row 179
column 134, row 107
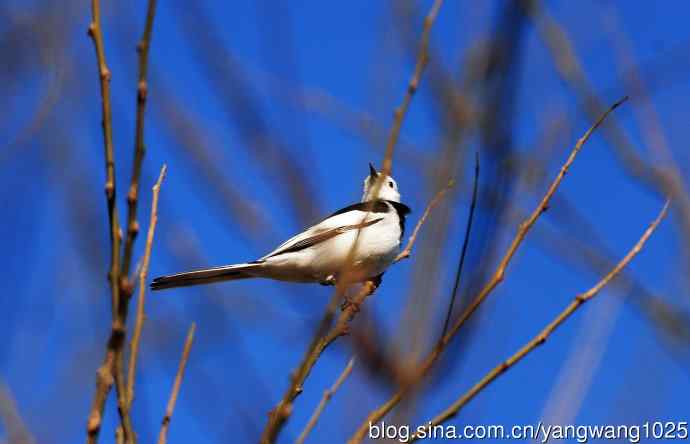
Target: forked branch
column 106, row 374
column 283, row 410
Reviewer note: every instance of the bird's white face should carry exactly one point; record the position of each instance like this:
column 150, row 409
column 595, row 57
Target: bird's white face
column 387, row 188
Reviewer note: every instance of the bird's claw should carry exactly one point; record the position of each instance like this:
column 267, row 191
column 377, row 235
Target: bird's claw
column 348, row 302
column 329, row 281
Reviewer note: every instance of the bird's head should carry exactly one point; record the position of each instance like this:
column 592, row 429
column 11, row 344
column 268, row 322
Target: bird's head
column 387, row 187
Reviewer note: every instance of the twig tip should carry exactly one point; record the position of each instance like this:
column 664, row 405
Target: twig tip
column 619, row 102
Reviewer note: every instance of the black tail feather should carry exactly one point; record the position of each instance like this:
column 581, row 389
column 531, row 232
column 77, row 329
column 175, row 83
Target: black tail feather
column 199, row 277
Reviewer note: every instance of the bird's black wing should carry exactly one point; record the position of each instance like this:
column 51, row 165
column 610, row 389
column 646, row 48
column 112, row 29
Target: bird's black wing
column 377, row 206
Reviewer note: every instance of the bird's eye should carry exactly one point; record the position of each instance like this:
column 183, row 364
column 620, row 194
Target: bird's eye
column 390, row 184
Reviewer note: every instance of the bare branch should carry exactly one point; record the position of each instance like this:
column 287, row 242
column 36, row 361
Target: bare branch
column 107, row 373
column 540, row 338
column 283, row 409
column 139, row 321
column 498, row 276
column 165, row 424
column 401, row 111
column 327, row 395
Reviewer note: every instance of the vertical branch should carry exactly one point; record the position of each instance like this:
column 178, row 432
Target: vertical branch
column 139, row 147
column 106, row 373
column 104, row 74
column 165, row 424
column 96, row 34
column 139, row 322
column 401, row 110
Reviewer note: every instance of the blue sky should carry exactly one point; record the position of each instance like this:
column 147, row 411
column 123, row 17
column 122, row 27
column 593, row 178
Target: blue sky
column 349, row 59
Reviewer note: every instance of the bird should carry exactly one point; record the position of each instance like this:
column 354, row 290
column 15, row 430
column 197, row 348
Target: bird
column 363, row 238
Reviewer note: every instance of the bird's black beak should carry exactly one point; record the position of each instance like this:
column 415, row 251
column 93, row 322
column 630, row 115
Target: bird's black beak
column 372, row 171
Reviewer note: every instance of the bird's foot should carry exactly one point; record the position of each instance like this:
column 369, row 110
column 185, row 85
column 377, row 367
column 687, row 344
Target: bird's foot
column 376, row 280
column 349, row 303
column 329, row 281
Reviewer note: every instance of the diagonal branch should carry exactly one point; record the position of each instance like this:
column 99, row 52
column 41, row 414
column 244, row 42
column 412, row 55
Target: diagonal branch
column 327, row 395
column 540, row 338
column 405, row 253
column 165, row 424
column 498, row 276
column 139, row 322
column 401, row 110
column 323, row 339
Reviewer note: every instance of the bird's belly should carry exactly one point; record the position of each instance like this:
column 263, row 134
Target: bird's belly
column 371, row 254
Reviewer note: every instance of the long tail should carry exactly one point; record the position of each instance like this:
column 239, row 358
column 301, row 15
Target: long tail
column 207, row 276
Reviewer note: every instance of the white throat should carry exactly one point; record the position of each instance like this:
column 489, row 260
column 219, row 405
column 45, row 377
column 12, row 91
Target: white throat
column 385, row 188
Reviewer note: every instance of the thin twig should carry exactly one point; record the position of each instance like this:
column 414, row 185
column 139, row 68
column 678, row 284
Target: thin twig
column 322, row 337
column 405, row 253
column 139, row 321
column 540, row 338
column 139, row 147
column 327, row 395
column 401, row 110
column 165, row 424
column 498, row 276
column 465, row 242
column 106, row 373
column 104, row 74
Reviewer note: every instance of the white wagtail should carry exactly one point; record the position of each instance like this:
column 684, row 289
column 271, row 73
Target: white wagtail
column 321, row 253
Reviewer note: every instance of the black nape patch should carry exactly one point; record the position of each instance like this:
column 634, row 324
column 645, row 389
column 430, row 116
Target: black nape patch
column 377, row 206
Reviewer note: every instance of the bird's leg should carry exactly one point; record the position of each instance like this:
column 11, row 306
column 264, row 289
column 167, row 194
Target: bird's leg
column 347, row 300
